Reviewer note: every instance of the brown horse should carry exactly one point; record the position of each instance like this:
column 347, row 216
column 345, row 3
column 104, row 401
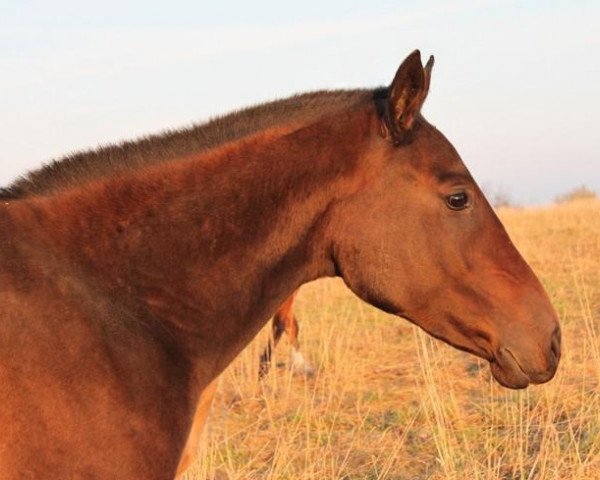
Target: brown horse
column 124, row 297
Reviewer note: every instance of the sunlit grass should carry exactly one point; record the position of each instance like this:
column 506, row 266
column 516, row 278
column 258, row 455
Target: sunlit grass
column 389, row 402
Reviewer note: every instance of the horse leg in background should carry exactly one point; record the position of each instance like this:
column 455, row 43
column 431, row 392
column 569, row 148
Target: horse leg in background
column 278, row 327
column 190, row 452
column 298, row 363
column 285, row 321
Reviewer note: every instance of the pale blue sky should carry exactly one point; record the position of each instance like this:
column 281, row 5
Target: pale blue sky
column 516, row 85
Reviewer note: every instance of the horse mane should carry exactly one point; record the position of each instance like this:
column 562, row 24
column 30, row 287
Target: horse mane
column 86, row 166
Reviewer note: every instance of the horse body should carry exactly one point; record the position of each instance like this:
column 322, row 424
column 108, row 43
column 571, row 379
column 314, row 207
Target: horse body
column 153, row 332
column 125, row 296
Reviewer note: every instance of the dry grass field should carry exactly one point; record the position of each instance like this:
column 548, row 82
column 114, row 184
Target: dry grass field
column 388, row 402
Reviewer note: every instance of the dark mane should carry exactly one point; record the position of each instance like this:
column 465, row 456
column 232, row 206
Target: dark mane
column 86, row 166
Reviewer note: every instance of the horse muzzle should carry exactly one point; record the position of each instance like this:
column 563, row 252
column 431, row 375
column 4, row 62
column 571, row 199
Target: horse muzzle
column 513, row 368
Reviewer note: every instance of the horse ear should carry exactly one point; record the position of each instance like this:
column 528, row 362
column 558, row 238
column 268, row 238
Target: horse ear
column 407, row 93
column 427, row 73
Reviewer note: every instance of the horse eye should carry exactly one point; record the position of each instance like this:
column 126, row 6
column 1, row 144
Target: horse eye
column 457, row 201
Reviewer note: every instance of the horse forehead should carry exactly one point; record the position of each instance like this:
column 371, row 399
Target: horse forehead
column 432, row 161
column 434, row 153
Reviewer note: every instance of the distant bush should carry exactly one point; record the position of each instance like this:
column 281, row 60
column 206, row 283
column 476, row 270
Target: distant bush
column 578, row 193
column 499, row 197
column 501, row 200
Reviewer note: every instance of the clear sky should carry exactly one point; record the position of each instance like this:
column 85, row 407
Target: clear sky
column 516, row 85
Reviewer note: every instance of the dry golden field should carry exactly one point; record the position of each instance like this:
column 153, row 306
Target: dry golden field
column 388, row 402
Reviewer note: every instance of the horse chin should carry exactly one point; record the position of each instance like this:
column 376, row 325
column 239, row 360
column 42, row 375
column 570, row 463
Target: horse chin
column 507, row 371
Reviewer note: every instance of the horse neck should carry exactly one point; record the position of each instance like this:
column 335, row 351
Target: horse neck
column 211, row 246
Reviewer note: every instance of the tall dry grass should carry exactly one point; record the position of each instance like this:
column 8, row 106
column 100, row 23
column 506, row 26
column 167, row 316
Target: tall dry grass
column 389, row 402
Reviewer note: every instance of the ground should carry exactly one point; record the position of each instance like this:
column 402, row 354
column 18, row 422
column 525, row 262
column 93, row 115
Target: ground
column 389, row 402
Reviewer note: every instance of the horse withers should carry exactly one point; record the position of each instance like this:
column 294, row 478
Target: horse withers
column 124, row 296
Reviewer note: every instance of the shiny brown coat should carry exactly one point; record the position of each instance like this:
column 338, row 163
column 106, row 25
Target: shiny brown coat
column 122, row 298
